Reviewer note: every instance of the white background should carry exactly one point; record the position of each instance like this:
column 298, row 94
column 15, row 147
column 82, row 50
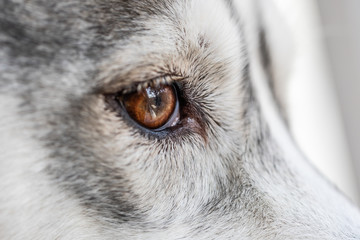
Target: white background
column 324, row 87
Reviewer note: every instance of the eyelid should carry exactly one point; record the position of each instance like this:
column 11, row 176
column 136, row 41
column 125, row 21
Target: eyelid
column 161, row 80
column 129, row 83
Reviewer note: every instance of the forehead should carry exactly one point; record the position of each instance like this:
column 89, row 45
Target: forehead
column 68, row 23
column 179, row 33
column 135, row 17
column 113, row 37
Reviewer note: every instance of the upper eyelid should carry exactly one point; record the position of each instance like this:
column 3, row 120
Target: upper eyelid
column 132, row 81
column 157, row 81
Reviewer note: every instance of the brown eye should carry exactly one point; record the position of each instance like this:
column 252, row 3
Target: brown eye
column 152, row 107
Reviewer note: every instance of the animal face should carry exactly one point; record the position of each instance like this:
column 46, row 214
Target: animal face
column 151, row 120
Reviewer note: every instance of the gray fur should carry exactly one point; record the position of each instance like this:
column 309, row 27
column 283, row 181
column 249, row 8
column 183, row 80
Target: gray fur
column 220, row 174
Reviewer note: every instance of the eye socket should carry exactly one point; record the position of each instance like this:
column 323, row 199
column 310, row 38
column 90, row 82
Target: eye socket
column 153, row 107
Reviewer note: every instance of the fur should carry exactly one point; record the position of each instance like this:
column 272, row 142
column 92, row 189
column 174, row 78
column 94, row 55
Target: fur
column 71, row 167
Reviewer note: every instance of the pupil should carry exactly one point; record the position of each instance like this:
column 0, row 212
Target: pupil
column 154, row 98
column 158, row 101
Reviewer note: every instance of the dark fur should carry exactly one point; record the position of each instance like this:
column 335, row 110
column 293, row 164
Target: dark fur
column 57, row 52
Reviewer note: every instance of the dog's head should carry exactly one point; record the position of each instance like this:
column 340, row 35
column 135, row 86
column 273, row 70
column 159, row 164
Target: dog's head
column 151, row 120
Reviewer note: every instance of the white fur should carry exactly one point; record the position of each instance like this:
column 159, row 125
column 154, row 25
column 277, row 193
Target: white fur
column 178, row 181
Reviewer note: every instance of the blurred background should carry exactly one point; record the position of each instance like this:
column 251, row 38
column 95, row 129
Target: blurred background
column 324, row 89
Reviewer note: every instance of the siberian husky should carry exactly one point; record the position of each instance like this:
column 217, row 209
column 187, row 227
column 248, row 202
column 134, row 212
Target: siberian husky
column 152, row 120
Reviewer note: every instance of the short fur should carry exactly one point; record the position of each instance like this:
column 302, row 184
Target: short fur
column 73, row 167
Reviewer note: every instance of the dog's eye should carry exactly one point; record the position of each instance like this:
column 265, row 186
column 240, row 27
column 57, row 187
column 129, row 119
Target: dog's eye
column 153, row 107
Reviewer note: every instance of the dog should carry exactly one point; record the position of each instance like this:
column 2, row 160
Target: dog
column 153, row 120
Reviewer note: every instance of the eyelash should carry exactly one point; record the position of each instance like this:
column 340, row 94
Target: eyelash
column 167, row 79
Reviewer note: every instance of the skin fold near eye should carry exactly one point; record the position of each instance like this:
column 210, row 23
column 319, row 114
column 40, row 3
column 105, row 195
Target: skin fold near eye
column 151, row 107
